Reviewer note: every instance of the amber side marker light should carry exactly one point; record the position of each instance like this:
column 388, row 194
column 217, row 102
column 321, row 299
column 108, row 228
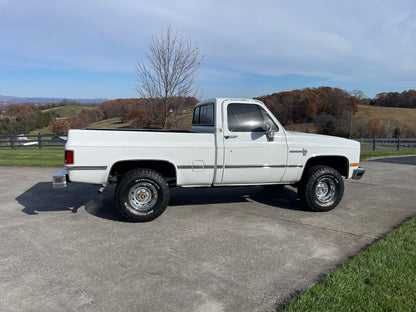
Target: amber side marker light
column 354, row 165
column 69, row 157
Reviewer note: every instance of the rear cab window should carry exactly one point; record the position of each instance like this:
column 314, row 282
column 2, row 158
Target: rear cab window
column 204, row 115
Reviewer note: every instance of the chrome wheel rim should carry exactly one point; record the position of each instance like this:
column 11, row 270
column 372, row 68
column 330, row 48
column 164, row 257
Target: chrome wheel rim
column 143, row 196
column 325, row 191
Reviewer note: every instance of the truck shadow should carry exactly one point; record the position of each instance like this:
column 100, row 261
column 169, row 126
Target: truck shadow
column 103, row 206
column 285, row 198
column 43, row 198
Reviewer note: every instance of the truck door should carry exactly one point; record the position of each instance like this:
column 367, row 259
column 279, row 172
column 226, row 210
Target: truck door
column 249, row 157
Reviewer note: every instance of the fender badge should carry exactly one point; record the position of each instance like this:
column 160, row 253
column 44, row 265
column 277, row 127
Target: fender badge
column 303, row 151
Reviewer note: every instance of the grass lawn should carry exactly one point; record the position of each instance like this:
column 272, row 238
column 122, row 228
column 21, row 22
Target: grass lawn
column 111, row 123
column 32, row 157
column 53, row 156
column 68, row 111
column 383, row 153
column 41, row 131
column 382, row 278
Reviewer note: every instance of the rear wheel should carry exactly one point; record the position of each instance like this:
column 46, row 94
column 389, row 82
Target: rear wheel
column 321, row 189
column 142, row 195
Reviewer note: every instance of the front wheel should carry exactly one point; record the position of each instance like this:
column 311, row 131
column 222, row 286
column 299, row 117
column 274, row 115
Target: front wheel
column 321, row 189
column 142, row 195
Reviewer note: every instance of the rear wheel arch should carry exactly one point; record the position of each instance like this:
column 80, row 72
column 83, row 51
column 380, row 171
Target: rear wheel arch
column 165, row 168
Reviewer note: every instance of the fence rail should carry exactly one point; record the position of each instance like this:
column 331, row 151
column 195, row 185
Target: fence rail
column 387, row 144
column 32, row 140
column 48, row 140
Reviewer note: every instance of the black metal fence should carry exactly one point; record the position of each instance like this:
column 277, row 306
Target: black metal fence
column 37, row 140
column 387, row 144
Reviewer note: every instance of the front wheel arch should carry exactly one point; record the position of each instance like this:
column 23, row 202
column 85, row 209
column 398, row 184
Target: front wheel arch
column 339, row 163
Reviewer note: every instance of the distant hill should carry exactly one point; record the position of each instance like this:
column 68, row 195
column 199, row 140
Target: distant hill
column 43, row 100
column 389, row 117
column 406, row 116
column 67, row 111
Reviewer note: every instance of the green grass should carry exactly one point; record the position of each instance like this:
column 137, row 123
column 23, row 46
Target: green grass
column 111, row 123
column 383, row 153
column 42, row 131
column 68, row 111
column 53, row 156
column 32, row 157
column 382, row 278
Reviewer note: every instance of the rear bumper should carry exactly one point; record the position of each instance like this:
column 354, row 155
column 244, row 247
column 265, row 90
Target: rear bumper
column 358, row 173
column 60, row 179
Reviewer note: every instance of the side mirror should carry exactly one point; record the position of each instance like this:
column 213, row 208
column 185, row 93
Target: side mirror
column 269, row 131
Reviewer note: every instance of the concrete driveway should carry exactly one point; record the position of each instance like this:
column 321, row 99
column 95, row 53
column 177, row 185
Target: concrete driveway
column 229, row 249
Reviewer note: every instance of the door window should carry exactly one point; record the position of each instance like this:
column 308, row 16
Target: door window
column 247, row 118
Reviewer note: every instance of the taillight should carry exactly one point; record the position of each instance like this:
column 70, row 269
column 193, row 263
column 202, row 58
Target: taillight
column 69, row 157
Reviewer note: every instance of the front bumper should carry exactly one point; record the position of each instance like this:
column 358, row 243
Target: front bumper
column 358, row 173
column 60, row 179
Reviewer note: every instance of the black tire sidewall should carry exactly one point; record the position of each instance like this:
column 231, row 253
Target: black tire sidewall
column 129, row 181
column 307, row 192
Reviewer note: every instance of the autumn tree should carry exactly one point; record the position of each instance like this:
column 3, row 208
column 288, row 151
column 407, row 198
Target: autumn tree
column 168, row 72
column 395, row 99
column 374, row 127
column 59, row 126
column 13, row 110
column 140, row 119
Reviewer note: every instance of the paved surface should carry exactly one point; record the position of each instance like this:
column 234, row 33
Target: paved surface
column 403, row 160
column 232, row 249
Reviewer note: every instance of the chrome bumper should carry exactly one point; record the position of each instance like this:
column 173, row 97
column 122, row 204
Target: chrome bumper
column 358, row 173
column 60, row 179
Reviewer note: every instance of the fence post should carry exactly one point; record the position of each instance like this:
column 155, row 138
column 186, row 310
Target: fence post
column 398, row 144
column 374, row 144
column 39, row 140
column 11, row 141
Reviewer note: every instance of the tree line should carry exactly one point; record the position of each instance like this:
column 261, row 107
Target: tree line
column 149, row 113
column 330, row 110
column 137, row 113
column 405, row 99
column 23, row 119
column 86, row 117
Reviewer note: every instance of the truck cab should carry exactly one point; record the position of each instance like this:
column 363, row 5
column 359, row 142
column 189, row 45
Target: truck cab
column 251, row 144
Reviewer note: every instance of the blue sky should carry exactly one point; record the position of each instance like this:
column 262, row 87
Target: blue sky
column 89, row 48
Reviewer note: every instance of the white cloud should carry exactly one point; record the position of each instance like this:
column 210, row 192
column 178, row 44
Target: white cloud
column 344, row 41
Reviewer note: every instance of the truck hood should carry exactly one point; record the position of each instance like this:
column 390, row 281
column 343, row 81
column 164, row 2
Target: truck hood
column 312, row 140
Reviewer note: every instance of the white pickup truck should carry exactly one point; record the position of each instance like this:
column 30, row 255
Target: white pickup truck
column 232, row 142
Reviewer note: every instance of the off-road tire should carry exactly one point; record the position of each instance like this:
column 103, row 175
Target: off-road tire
column 142, row 195
column 321, row 188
